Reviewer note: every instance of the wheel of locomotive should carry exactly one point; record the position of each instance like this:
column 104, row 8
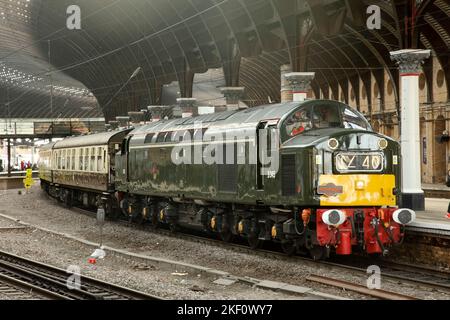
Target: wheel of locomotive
column 319, row 252
column 253, row 241
column 111, row 212
column 226, row 235
column 289, row 247
column 173, row 228
column 154, row 219
column 138, row 218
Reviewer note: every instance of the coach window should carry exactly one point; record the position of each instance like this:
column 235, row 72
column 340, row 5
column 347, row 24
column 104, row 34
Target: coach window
column 80, row 159
column 86, row 159
column 73, row 160
column 68, row 159
column 99, row 160
column 63, row 159
column 92, row 163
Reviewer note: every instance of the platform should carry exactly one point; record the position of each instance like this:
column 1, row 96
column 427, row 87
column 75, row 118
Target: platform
column 436, row 190
column 433, row 220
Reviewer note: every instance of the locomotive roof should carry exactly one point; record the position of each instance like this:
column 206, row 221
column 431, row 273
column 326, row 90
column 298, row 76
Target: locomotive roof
column 227, row 118
column 94, row 139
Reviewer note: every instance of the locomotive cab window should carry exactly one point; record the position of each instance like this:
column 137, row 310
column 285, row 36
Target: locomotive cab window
column 321, row 115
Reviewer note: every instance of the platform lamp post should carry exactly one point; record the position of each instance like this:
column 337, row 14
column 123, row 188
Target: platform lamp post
column 410, row 63
column 133, row 75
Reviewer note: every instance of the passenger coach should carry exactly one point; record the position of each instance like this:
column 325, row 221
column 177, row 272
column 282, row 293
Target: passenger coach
column 79, row 169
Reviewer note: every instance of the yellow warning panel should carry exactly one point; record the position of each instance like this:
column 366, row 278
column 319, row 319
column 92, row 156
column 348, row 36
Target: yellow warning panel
column 357, row 190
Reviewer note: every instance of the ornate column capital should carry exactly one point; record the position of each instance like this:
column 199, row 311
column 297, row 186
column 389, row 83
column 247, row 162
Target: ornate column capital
column 136, row 116
column 188, row 106
column 410, row 61
column 233, row 94
column 113, row 124
column 123, row 121
column 300, row 81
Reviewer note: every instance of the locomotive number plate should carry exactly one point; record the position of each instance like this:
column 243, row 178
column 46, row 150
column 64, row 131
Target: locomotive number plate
column 359, row 162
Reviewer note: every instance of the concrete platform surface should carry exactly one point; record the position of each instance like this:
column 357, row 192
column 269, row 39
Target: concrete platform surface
column 433, row 218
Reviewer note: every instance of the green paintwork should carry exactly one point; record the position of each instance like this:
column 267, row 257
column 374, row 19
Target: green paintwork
column 150, row 171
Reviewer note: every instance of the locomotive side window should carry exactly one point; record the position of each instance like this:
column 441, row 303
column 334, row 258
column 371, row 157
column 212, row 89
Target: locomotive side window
column 161, row 137
column 63, row 160
column 168, row 137
column 148, row 138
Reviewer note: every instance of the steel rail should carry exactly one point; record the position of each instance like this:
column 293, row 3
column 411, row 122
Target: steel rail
column 412, row 274
column 54, row 279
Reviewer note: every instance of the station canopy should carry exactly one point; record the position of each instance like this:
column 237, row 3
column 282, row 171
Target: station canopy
column 173, row 40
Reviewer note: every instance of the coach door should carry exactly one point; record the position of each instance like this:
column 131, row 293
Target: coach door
column 124, row 161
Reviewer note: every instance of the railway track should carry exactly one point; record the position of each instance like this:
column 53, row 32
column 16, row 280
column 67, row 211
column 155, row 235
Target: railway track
column 420, row 276
column 15, row 289
column 23, row 276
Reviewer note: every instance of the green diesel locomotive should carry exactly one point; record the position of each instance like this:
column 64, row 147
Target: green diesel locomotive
column 309, row 175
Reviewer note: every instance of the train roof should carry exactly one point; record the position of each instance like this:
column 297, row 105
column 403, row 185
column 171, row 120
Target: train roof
column 94, row 139
column 247, row 117
column 47, row 146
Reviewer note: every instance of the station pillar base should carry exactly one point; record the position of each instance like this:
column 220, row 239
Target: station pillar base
column 413, row 201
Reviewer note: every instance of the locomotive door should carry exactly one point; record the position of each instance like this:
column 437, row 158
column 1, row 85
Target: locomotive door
column 259, row 135
column 266, row 132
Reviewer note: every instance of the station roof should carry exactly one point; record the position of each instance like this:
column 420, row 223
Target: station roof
column 171, row 40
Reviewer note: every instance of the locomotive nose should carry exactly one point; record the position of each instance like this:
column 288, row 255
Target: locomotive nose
column 404, row 216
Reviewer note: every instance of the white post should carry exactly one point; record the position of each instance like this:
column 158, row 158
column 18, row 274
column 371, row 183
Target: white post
column 409, row 62
column 300, row 83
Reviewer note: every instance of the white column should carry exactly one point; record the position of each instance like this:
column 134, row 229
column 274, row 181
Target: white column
column 410, row 62
column 300, row 83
